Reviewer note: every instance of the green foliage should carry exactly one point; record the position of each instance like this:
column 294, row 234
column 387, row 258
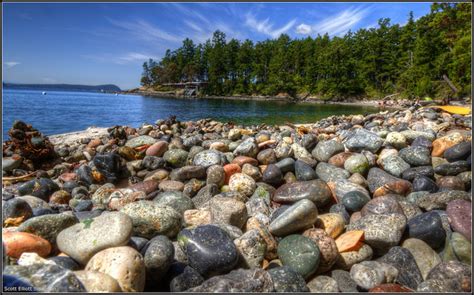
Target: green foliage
column 376, row 62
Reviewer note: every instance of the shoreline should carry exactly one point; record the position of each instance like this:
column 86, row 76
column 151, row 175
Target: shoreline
column 362, row 103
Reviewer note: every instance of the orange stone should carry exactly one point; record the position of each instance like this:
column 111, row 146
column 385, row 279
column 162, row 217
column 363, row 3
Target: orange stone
column 443, row 143
column 157, row 149
column 229, row 170
column 94, row 143
column 390, row 288
column 350, row 241
column 16, row 243
column 339, row 159
column 241, row 160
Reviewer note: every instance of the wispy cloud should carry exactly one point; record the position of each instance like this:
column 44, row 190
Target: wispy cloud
column 120, row 59
column 304, row 29
column 10, row 64
column 144, row 30
column 340, row 23
column 266, row 27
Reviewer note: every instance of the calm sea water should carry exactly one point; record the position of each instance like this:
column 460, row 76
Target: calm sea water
column 60, row 112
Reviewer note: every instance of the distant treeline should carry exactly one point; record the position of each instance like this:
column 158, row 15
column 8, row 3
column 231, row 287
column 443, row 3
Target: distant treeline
column 427, row 57
column 64, row 87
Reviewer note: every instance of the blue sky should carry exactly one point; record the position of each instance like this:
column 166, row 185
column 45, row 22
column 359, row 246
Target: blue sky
column 102, row 43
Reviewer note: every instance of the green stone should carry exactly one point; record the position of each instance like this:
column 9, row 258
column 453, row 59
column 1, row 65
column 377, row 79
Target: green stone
column 300, row 253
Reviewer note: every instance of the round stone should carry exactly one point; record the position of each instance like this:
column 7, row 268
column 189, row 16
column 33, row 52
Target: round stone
column 174, row 199
column 326, row 149
column 303, row 171
column 300, row 253
column 209, row 249
column 458, row 152
column 272, row 175
column 124, row 264
column 423, row 183
column 158, row 255
column 316, row 191
column 382, row 205
column 82, row 240
column 216, row 175
column 416, row 156
column 15, row 211
column 298, row 216
column 242, row 183
column 176, row 157
column 285, row 279
column 157, row 149
column 357, row 163
column 323, row 284
column 208, row 158
column 95, row 281
column 395, row 165
column 428, row 228
column 17, row 243
column 347, row 259
column 150, row 219
column 332, row 223
column 267, row 157
column 353, row 201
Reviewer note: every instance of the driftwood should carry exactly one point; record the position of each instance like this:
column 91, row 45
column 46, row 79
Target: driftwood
column 391, row 95
column 451, row 85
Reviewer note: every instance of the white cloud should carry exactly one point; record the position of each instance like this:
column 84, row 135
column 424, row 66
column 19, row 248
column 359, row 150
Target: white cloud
column 340, row 23
column 120, row 59
column 10, row 64
column 265, row 27
column 145, row 30
column 304, row 29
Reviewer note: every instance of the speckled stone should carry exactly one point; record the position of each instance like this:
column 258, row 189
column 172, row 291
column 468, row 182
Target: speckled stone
column 204, row 195
column 316, row 191
column 453, row 270
column 369, row 274
column 158, row 255
column 363, row 139
column 299, row 253
column 416, row 155
column 323, row 284
column 381, row 231
column 347, row 259
column 209, row 249
column 426, row 258
column 324, row 150
column 176, row 157
column 460, row 217
column 327, row 247
column 439, row 286
column 208, row 158
column 247, row 148
column 272, row 175
column 267, row 156
column 41, row 188
column 440, row 200
column 382, row 205
column 46, row 277
column 124, row 264
column 188, row 172
column 447, row 183
column 251, row 247
column 298, row 216
column 175, row 200
column 82, row 240
column 328, row 172
column 48, row 226
column 140, row 140
column 395, row 165
column 344, row 281
column 186, row 279
column 408, row 272
column 150, row 219
column 228, row 211
column 240, row 280
column 242, row 183
column 285, row 279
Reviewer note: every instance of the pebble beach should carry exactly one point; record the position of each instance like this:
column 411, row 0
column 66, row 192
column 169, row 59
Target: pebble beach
column 352, row 203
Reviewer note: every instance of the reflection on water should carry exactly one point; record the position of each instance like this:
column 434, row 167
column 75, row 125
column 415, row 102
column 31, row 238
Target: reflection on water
column 59, row 112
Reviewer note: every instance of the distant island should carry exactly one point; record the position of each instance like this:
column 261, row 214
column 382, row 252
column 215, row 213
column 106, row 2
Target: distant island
column 65, row 87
